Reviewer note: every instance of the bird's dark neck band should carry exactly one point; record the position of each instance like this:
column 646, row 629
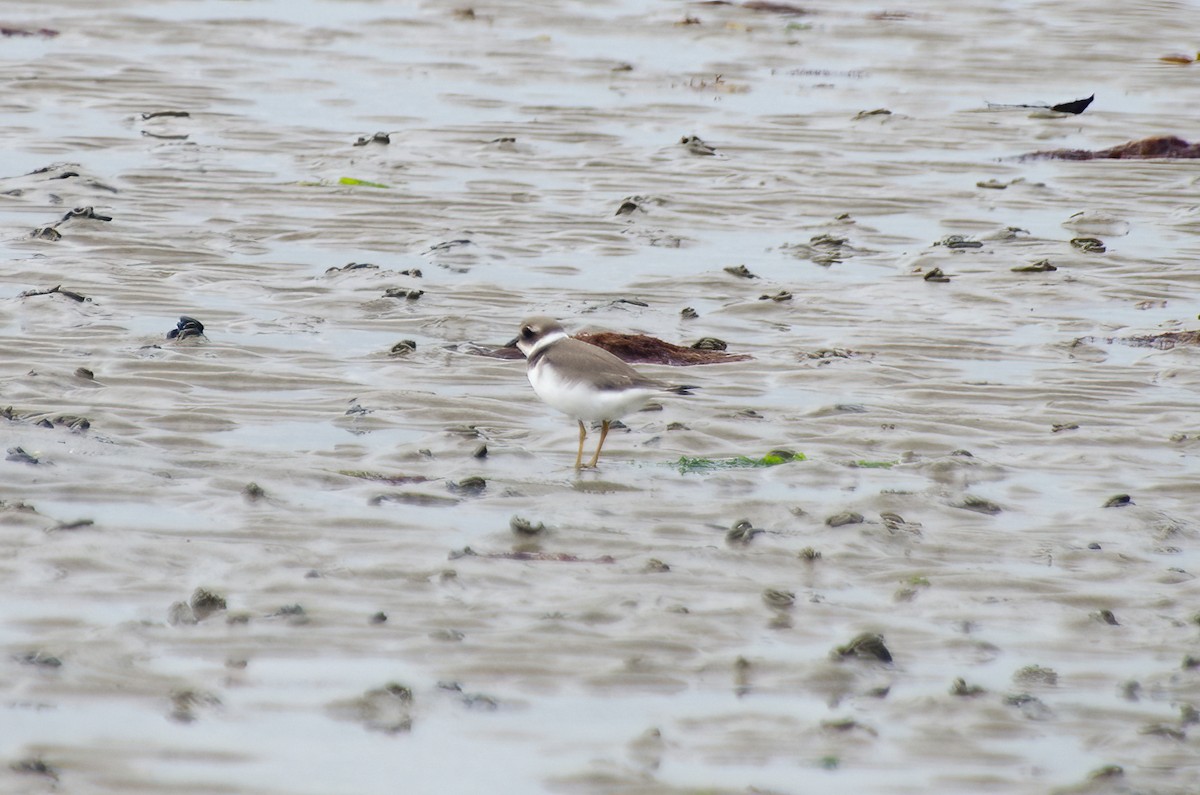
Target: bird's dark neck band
column 536, row 356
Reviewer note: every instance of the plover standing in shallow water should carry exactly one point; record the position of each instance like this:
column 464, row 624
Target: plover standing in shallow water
column 583, row 381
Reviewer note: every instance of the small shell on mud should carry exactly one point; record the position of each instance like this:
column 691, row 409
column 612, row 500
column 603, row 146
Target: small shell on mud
column 741, row 533
column 779, row 600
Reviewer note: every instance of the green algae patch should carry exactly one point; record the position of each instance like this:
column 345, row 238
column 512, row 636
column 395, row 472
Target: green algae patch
column 351, row 181
column 364, row 183
column 687, row 464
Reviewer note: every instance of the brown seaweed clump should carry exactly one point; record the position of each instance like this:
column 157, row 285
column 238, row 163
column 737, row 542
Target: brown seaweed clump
column 635, row 349
column 1159, row 147
column 787, row 9
column 644, row 349
column 1164, row 341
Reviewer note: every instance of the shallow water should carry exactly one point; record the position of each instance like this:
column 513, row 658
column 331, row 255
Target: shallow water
column 602, row 673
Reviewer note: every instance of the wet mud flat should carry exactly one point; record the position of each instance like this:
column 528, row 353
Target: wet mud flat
column 932, row 527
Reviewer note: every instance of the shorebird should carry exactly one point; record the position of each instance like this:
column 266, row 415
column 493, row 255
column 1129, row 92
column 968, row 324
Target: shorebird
column 583, row 381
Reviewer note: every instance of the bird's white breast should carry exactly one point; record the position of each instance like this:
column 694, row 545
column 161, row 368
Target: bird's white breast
column 579, row 399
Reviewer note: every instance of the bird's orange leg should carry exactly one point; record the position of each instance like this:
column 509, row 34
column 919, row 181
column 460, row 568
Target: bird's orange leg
column 579, row 455
column 603, row 435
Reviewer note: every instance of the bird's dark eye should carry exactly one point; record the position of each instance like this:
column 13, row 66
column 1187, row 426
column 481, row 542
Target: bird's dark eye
column 527, row 333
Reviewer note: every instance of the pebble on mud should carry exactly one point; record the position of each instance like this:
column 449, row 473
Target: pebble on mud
column 842, row 725
column 377, row 138
column 1107, row 771
column 1036, row 675
column 351, row 266
column 709, row 344
column 413, row 498
column 961, row 688
column 39, row 659
column 1089, row 245
column 386, row 709
column 77, row 524
column 181, row 614
column 696, row 146
column 741, row 271
column 844, row 518
column 293, row 614
column 186, row 328
column 978, row 505
column 1031, row 707
column 480, row 701
column 19, row 455
column 1041, row 266
column 958, row 242
column 185, row 701
column 471, row 487
column 779, row 600
column 403, row 292
column 741, row 676
column 865, row 646
column 204, row 603
column 36, row 767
